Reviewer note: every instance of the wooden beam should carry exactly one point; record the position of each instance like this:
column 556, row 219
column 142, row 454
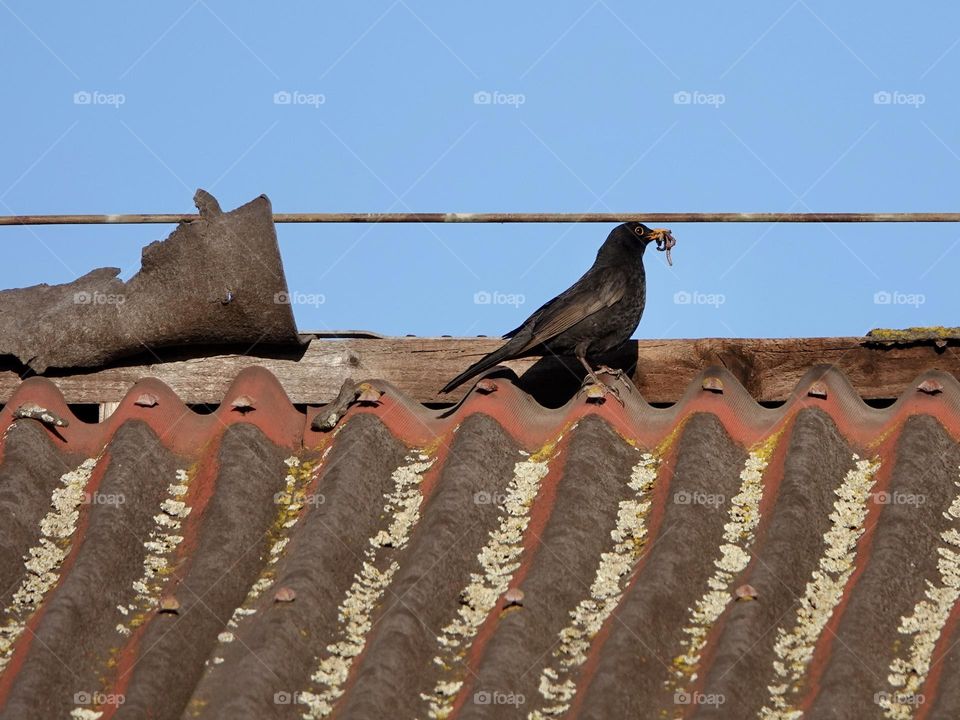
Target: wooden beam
column 661, row 369
column 106, row 410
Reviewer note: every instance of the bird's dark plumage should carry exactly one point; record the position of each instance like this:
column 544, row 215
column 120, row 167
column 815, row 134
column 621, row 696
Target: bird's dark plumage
column 597, row 314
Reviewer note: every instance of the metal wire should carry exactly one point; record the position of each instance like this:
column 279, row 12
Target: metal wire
column 545, row 217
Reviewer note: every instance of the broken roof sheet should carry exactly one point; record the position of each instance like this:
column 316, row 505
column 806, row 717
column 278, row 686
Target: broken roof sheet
column 215, row 281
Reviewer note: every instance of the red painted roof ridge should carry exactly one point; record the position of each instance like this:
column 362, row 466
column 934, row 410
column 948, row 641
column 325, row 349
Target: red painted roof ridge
column 715, row 391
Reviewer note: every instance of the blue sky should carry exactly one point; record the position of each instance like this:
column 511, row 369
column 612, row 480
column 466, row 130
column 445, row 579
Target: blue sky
column 608, row 105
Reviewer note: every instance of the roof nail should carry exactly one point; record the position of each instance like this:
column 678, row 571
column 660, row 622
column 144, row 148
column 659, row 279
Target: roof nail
column 169, row 604
column 243, row 404
column 930, row 387
column 818, row 390
column 368, row 394
column 146, row 400
column 596, row 392
column 486, row 387
column 712, row 384
column 513, row 598
column 284, row 595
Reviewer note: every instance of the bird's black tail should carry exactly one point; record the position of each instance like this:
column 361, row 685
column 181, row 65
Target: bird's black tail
column 484, row 363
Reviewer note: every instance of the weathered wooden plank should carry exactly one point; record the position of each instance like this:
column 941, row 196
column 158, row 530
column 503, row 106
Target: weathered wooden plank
column 106, row 410
column 661, row 369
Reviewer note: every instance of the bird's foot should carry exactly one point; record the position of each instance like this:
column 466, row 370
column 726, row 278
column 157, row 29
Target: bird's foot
column 619, row 374
column 598, row 391
column 607, row 370
column 595, row 389
column 590, row 379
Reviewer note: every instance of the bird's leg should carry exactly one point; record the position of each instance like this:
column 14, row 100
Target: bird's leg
column 594, row 380
column 590, row 373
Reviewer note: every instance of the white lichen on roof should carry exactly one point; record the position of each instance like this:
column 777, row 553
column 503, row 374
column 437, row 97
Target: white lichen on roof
column 925, row 624
column 402, row 511
column 85, row 714
column 794, row 647
column 160, row 547
column 498, row 559
column 738, row 535
column 42, row 562
column 290, row 502
column 175, row 508
column 610, row 579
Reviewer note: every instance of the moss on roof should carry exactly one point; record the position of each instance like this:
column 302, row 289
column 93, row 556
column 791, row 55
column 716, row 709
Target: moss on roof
column 914, row 334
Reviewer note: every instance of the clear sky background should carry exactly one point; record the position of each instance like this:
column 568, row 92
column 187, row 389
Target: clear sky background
column 777, row 110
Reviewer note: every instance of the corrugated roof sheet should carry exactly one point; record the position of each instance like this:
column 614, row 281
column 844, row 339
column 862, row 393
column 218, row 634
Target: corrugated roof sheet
column 711, row 559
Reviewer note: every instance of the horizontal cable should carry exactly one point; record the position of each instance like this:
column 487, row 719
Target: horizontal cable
column 545, row 217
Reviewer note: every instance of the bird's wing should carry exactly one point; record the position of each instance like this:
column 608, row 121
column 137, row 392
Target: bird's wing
column 593, row 292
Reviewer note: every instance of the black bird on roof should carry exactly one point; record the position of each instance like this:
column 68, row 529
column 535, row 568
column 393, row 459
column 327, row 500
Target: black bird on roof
column 597, row 314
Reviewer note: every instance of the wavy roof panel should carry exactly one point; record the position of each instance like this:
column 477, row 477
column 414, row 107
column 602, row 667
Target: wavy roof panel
column 711, row 559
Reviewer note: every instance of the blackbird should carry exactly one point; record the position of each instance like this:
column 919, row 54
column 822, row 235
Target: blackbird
column 597, row 314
